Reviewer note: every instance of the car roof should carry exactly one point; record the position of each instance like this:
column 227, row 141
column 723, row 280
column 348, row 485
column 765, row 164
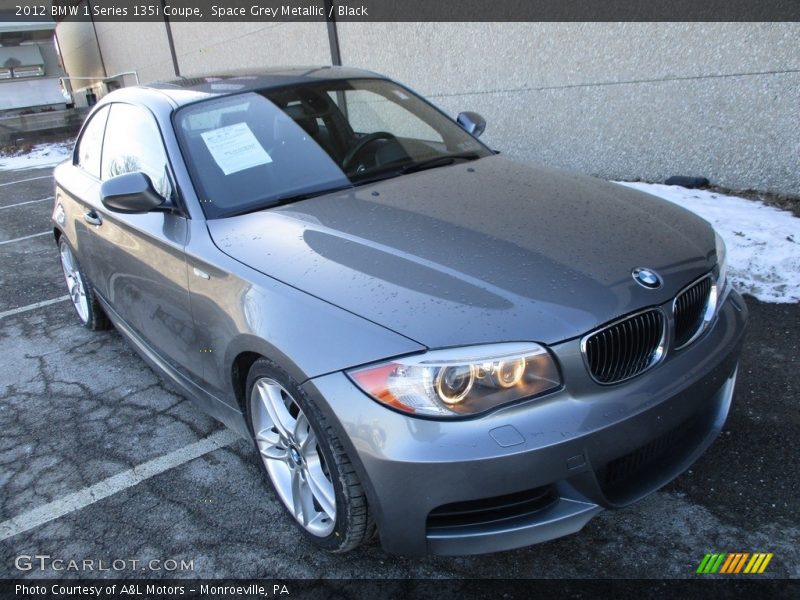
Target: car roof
column 189, row 89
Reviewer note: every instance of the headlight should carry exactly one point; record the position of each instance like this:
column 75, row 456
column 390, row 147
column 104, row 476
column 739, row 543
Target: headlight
column 460, row 381
column 722, row 262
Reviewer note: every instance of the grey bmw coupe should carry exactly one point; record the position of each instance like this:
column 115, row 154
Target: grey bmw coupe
column 424, row 339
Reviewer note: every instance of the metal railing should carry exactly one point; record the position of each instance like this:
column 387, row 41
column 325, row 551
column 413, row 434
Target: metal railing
column 103, row 79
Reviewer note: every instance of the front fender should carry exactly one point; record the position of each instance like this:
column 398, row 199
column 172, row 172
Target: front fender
column 237, row 309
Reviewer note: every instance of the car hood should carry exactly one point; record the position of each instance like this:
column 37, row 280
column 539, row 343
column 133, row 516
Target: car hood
column 477, row 252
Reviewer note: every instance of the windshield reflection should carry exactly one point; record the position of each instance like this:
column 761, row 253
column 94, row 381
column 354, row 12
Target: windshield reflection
column 254, row 150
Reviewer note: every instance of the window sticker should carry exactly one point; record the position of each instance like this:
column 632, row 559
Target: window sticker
column 235, row 148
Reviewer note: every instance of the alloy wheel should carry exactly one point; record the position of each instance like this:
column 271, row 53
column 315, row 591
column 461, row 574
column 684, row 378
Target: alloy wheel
column 75, row 284
column 290, row 450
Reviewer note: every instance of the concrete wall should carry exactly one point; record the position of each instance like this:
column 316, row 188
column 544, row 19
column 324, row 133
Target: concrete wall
column 204, row 47
column 141, row 47
column 80, row 54
column 199, row 48
column 79, row 49
column 618, row 100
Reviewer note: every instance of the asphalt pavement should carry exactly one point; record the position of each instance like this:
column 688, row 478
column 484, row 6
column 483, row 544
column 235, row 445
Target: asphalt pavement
column 101, row 461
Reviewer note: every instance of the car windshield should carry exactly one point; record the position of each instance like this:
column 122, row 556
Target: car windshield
column 259, row 149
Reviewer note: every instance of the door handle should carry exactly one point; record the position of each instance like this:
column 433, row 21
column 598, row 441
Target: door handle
column 200, row 273
column 93, row 218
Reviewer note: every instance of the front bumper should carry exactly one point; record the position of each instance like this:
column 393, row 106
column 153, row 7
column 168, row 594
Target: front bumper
column 540, row 469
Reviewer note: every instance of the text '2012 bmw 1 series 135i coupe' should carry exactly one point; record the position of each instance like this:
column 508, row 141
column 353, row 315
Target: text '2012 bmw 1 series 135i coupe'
column 423, row 339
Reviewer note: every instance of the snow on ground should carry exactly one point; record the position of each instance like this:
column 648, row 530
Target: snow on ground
column 763, row 242
column 41, row 155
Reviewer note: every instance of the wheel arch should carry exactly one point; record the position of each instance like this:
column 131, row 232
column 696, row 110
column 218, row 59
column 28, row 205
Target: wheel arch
column 245, row 351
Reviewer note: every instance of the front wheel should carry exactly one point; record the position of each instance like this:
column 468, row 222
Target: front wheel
column 80, row 290
column 305, row 462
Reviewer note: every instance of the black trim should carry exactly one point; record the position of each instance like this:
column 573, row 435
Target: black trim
column 489, row 511
column 96, row 40
column 333, row 34
column 170, row 40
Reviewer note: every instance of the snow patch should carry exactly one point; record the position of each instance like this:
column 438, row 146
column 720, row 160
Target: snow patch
column 41, row 155
column 763, row 241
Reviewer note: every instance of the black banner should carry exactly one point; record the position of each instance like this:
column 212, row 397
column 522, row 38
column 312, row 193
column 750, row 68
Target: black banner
column 372, row 589
column 399, row 10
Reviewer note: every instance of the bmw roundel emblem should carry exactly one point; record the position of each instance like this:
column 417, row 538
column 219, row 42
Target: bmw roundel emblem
column 646, row 278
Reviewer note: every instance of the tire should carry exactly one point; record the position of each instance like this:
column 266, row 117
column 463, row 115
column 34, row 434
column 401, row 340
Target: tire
column 80, row 290
column 305, row 462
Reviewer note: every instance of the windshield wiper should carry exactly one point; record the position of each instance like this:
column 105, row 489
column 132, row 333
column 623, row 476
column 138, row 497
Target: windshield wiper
column 394, row 169
column 367, row 177
column 283, row 200
column 439, row 161
column 307, row 195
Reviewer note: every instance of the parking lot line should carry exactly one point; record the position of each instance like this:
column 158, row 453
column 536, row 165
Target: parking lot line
column 24, row 180
column 22, row 309
column 26, row 202
column 26, row 237
column 116, row 483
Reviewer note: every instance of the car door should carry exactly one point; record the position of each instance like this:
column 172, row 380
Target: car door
column 78, row 191
column 139, row 260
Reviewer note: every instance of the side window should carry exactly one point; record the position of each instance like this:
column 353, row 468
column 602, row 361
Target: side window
column 91, row 142
column 133, row 143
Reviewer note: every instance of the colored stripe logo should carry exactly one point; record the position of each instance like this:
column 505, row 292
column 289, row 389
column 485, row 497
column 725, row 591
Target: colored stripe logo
column 734, row 563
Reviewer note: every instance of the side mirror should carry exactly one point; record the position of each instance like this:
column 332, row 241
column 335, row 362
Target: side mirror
column 130, row 193
column 472, row 123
